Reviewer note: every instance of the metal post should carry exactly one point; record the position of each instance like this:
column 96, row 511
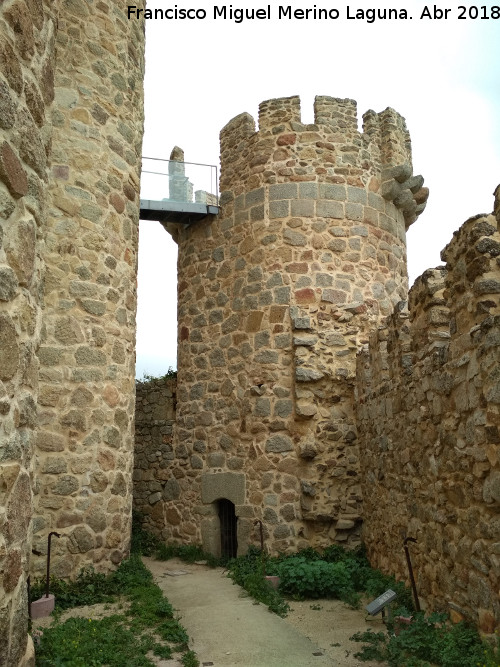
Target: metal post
column 48, row 562
column 258, row 521
column 410, row 570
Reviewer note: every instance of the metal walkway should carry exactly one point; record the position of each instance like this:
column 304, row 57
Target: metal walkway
column 174, row 191
column 175, row 211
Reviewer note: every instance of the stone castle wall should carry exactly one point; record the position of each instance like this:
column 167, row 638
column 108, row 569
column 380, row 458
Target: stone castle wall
column 275, row 295
column 428, row 415
column 70, row 134
column 86, row 396
column 26, row 93
column 153, row 453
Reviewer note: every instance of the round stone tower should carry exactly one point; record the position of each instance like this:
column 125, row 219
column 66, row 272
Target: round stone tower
column 276, row 294
column 84, row 444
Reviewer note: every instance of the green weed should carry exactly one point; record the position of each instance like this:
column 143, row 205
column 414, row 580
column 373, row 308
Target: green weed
column 429, row 640
column 189, row 659
column 90, row 587
column 248, row 572
column 148, row 378
column 121, row 640
column 301, row 579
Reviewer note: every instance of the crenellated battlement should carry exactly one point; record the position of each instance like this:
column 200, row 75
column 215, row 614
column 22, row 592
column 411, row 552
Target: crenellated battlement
column 279, row 111
column 330, row 150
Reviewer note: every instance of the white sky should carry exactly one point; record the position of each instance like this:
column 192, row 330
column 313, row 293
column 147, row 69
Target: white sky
column 443, row 76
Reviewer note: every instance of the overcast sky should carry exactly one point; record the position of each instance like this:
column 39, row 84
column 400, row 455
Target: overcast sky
column 442, row 75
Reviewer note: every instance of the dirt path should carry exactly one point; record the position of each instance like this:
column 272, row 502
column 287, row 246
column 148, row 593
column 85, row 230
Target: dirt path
column 228, row 629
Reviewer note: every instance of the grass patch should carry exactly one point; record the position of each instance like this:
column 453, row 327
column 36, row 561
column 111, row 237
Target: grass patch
column 120, row 640
column 427, row 641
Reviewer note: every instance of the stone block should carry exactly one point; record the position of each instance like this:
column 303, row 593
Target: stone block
column 281, row 531
column 229, row 485
column 302, row 208
column 307, row 374
column 491, row 488
column 80, row 540
column 254, row 197
column 216, row 459
column 267, row 357
column 154, row 498
column 254, row 320
column 308, row 191
column 294, row 238
column 283, row 191
column 245, row 511
column 332, row 191
column 354, row 211
column 12, row 171
column 279, row 209
column 357, row 195
column 257, row 213
column 308, row 451
column 329, row 209
column 66, row 485
column 8, row 284
column 283, row 408
column 305, row 296
column 262, row 407
column 43, row 606
column 235, row 463
column 307, row 340
column 171, row 490
column 299, row 319
column 305, row 410
column 279, row 443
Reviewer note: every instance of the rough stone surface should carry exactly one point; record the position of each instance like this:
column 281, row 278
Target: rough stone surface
column 311, row 239
column 269, row 383
column 428, row 428
column 156, row 490
column 54, row 226
column 255, row 367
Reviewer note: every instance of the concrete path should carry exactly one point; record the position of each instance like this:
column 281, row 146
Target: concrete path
column 227, row 628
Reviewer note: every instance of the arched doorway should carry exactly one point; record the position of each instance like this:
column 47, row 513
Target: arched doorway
column 228, row 528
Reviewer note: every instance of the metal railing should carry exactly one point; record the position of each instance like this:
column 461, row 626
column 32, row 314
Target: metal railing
column 172, row 180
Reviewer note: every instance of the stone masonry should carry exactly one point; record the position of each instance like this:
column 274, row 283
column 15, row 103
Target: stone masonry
column 276, row 295
column 71, row 117
column 428, row 416
column 87, row 354
column 427, row 422
column 26, row 94
column 312, row 392
column 153, row 453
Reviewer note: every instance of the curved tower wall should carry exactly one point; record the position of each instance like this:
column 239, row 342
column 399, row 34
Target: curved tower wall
column 26, row 94
column 275, row 295
column 84, row 450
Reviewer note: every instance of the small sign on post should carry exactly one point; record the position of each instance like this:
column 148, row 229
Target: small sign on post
column 379, row 603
